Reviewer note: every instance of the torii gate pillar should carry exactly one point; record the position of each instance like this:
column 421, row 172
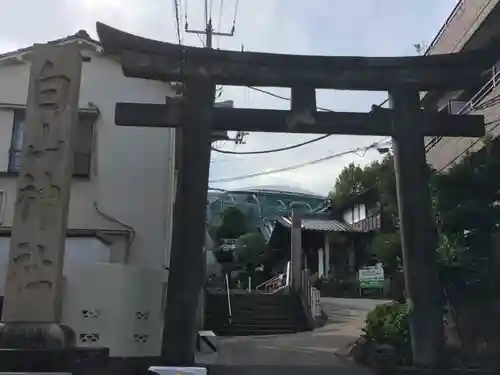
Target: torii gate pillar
column 418, row 233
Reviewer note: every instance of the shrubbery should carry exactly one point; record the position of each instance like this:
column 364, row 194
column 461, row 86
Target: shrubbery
column 388, row 324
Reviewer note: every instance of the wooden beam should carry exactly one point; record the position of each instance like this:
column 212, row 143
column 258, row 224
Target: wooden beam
column 377, row 122
column 151, row 59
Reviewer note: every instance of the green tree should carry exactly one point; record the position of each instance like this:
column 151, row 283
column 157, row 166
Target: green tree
column 234, row 224
column 349, row 182
column 468, row 197
column 249, row 250
column 378, row 176
column 387, row 250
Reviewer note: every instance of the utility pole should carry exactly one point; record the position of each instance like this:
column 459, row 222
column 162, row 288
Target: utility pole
column 209, row 33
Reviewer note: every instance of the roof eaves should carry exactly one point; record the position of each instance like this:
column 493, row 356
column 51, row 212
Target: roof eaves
column 80, row 37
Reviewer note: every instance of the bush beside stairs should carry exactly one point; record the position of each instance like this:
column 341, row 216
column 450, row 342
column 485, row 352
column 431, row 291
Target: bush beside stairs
column 255, row 314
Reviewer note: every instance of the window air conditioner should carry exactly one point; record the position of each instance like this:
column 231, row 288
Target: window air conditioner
column 455, row 106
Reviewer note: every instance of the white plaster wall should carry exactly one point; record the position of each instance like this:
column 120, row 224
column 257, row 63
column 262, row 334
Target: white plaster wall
column 132, row 172
column 79, row 251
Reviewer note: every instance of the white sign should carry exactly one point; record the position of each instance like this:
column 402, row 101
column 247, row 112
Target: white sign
column 371, row 277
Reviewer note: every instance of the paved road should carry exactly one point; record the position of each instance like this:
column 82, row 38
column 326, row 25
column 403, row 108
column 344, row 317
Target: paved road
column 302, row 350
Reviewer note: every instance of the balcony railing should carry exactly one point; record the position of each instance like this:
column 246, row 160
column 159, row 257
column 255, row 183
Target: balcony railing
column 368, row 224
column 482, row 93
column 472, row 104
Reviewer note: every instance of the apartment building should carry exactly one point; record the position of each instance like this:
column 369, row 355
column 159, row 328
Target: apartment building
column 121, row 196
column 471, row 25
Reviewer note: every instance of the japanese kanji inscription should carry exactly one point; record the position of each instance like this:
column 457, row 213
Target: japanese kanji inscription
column 34, row 277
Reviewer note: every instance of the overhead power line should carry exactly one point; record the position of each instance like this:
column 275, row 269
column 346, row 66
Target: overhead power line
column 273, row 150
column 464, row 111
column 299, row 166
column 287, row 147
column 495, row 122
column 177, row 20
column 220, row 20
column 283, row 97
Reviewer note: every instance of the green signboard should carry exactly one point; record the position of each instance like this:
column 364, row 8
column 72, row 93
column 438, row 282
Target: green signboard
column 371, row 277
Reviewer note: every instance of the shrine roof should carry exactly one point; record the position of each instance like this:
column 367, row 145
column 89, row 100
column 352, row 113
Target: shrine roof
column 318, row 222
column 81, row 36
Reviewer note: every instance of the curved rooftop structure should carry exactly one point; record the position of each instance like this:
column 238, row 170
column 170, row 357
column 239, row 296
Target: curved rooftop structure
column 279, row 189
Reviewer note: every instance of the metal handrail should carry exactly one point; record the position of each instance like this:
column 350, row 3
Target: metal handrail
column 482, row 93
column 268, row 282
column 275, row 280
column 229, row 309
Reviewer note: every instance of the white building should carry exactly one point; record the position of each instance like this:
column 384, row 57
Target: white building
column 121, row 197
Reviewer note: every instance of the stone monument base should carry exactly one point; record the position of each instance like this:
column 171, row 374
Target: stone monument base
column 75, row 360
column 29, row 347
column 36, row 336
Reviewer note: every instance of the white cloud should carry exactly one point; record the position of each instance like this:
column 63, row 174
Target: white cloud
column 323, row 27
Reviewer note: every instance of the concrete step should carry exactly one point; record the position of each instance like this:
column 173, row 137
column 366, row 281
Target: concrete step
column 342, row 368
column 252, row 331
column 250, row 323
column 254, row 314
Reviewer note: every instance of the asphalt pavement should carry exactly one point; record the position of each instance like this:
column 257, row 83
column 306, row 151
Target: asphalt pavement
column 304, row 351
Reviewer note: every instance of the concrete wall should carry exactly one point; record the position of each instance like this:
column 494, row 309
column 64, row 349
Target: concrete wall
column 132, row 168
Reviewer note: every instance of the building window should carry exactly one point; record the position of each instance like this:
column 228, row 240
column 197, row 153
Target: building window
column 349, row 216
column 82, row 145
column 355, row 214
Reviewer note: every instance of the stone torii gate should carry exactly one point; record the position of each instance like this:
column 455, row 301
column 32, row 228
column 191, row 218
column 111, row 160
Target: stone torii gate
column 402, row 77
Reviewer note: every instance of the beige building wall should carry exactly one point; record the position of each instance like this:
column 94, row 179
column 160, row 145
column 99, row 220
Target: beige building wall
column 467, row 27
column 132, row 168
column 462, row 23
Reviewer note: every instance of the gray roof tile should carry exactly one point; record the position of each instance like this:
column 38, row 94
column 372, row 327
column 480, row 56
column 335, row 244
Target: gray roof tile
column 322, row 224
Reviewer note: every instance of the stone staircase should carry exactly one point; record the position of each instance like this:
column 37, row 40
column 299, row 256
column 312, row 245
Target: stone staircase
column 254, row 314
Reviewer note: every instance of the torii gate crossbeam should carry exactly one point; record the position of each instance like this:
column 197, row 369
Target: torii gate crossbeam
column 402, row 77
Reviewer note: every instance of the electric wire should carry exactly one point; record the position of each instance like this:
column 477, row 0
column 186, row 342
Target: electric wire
column 206, row 12
column 209, row 4
column 177, row 20
column 201, row 40
column 235, row 15
column 261, row 152
column 298, row 166
column 236, row 10
column 219, row 25
column 482, row 106
column 497, row 124
column 282, row 97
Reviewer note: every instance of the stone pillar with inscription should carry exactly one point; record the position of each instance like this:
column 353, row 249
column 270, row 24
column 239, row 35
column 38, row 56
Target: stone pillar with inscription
column 31, row 338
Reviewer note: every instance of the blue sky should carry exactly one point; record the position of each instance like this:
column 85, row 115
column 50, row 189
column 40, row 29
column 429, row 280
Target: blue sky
column 319, row 27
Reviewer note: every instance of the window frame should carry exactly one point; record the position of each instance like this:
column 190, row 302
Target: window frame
column 87, row 117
